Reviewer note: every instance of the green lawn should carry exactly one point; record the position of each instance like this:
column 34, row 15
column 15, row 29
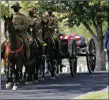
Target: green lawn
column 95, row 95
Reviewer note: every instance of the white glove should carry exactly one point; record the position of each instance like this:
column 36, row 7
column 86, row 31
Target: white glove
column 31, row 29
column 56, row 30
column 105, row 50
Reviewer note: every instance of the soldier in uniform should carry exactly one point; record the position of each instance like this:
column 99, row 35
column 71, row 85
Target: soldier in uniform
column 52, row 25
column 20, row 24
column 35, row 24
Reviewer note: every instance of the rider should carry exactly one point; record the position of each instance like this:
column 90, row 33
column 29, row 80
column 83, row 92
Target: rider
column 20, row 24
column 52, row 24
column 35, row 24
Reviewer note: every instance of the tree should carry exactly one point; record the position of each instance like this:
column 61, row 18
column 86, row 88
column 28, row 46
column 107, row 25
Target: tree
column 4, row 10
column 92, row 14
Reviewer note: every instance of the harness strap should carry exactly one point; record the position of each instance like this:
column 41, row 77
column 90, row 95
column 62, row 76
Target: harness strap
column 8, row 49
column 36, row 42
column 18, row 50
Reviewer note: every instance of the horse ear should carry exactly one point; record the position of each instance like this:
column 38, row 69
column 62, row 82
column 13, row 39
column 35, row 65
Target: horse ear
column 11, row 16
column 4, row 17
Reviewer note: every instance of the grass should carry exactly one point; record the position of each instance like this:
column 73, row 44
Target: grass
column 95, row 95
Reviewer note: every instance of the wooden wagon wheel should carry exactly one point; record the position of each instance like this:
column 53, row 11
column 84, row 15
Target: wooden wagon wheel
column 72, row 49
column 91, row 56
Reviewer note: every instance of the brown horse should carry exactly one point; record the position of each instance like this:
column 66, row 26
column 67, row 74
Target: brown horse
column 13, row 55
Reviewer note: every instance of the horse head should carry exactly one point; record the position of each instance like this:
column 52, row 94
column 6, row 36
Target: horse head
column 9, row 29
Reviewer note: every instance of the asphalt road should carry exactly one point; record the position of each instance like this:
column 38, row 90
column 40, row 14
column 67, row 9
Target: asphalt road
column 64, row 87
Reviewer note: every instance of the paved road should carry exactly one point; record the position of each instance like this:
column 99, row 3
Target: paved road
column 64, row 87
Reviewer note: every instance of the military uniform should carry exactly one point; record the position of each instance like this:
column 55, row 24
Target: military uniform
column 35, row 22
column 20, row 24
column 49, row 27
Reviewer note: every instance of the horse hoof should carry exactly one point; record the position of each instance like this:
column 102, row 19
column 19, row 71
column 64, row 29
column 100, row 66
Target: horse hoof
column 53, row 78
column 8, row 85
column 57, row 74
column 36, row 81
column 47, row 72
column 42, row 79
column 18, row 83
column 14, row 88
column 28, row 82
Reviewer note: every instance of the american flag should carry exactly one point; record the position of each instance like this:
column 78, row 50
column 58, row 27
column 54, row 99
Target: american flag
column 79, row 39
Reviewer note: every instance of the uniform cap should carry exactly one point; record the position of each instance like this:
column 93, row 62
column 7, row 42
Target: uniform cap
column 16, row 5
column 31, row 10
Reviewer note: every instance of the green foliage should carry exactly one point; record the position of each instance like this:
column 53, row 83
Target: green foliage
column 85, row 11
column 4, row 11
column 72, row 14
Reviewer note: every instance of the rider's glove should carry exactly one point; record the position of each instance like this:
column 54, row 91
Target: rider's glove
column 56, row 30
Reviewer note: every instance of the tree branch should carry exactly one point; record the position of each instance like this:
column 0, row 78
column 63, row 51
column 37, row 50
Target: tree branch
column 89, row 29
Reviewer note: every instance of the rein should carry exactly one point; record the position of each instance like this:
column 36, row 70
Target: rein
column 8, row 49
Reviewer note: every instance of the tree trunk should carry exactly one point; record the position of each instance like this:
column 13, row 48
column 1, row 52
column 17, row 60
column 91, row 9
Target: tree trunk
column 100, row 54
column 100, row 57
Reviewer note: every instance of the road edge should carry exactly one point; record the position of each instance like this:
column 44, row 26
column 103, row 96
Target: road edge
column 79, row 97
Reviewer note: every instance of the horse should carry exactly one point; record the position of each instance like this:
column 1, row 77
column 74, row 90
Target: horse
column 35, row 58
column 13, row 55
column 50, row 49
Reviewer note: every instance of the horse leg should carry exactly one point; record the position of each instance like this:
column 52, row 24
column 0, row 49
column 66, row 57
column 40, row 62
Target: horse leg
column 21, row 73
column 52, row 68
column 25, row 73
column 37, row 66
column 16, row 77
column 28, row 74
column 58, row 66
column 36, row 74
column 8, row 80
column 43, row 69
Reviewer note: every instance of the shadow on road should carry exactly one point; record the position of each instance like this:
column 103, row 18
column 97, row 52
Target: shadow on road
column 65, row 83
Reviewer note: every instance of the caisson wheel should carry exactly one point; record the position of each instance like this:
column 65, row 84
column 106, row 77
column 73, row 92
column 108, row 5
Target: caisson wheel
column 91, row 56
column 72, row 49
